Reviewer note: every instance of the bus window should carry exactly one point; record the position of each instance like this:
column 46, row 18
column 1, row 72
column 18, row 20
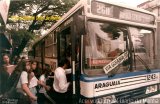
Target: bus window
column 143, row 46
column 105, row 42
column 65, row 44
column 49, row 47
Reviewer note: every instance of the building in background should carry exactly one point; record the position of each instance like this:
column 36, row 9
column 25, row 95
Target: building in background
column 151, row 5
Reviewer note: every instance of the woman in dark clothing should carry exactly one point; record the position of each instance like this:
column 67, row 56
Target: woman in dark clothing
column 4, row 75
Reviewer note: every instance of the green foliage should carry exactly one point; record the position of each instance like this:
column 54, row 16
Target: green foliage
column 42, row 8
column 22, row 30
column 18, row 35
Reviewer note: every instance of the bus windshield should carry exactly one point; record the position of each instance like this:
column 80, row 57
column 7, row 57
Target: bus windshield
column 106, row 42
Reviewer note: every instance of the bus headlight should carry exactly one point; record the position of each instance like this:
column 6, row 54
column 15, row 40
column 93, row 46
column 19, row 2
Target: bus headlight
column 151, row 89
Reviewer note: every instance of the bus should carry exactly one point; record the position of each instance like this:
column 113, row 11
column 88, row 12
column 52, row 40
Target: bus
column 112, row 49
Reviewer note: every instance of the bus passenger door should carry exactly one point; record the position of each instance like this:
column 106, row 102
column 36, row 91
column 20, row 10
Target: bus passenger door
column 64, row 48
column 64, row 44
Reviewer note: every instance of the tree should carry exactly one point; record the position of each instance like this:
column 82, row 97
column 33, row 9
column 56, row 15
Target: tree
column 41, row 8
column 19, row 38
column 35, row 16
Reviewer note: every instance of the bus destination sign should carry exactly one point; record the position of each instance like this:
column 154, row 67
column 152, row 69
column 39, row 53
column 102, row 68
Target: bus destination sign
column 112, row 11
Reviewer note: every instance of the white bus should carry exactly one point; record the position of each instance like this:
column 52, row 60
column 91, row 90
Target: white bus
column 112, row 48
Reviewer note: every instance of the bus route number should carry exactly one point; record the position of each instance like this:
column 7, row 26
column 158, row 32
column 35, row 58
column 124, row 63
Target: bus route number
column 151, row 77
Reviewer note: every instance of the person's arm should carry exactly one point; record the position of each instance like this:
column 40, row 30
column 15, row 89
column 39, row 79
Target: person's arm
column 44, row 85
column 28, row 92
column 24, row 85
column 68, row 71
column 42, row 82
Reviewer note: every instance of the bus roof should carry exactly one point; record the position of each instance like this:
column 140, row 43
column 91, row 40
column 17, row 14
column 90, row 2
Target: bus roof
column 83, row 3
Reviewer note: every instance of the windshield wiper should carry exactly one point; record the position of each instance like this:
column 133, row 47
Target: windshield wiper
column 133, row 58
column 144, row 63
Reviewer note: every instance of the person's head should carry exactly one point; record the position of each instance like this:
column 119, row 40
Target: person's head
column 6, row 59
column 33, row 64
column 47, row 70
column 23, row 65
column 64, row 63
column 27, row 66
column 39, row 65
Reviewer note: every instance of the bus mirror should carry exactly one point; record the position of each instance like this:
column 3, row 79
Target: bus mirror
column 80, row 24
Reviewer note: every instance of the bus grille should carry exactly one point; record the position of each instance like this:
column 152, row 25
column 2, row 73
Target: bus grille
column 130, row 96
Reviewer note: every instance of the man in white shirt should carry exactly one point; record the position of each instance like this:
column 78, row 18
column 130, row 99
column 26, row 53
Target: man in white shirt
column 60, row 84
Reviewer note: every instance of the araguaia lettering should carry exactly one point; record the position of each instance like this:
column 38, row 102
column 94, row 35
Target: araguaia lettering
column 107, row 84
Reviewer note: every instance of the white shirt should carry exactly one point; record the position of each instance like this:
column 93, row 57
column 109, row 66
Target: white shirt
column 68, row 71
column 60, row 81
column 22, row 80
column 33, row 82
column 43, row 79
